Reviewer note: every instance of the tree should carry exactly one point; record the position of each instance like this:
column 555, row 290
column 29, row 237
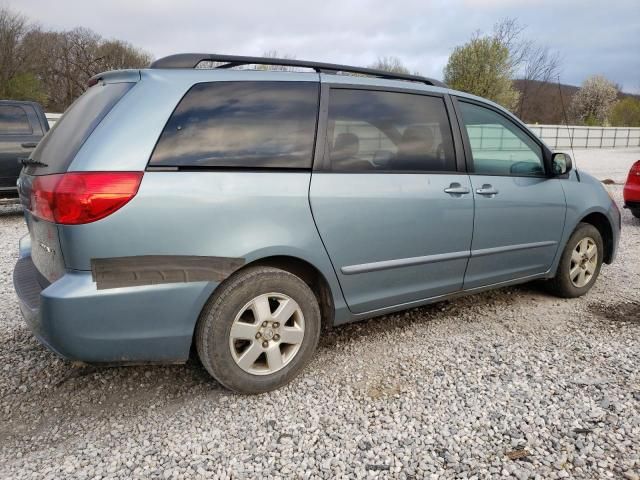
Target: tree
column 626, row 113
column 592, row 104
column 15, row 79
column 389, row 64
column 483, row 67
column 278, row 68
column 53, row 67
column 535, row 64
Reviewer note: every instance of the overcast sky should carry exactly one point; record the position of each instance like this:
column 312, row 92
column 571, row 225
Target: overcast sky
column 600, row 37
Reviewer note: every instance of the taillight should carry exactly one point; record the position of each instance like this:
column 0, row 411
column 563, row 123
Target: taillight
column 635, row 169
column 78, row 197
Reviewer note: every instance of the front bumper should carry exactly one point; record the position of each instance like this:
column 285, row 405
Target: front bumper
column 120, row 325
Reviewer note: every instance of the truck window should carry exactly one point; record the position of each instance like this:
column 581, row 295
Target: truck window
column 14, row 121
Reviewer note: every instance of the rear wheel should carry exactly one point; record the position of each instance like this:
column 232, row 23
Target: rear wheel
column 259, row 329
column 635, row 212
column 580, row 263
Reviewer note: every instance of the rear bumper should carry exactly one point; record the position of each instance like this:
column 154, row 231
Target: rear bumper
column 121, row 325
column 631, row 194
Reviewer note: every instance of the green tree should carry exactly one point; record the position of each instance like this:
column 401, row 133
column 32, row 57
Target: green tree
column 24, row 86
column 483, row 67
column 625, row 113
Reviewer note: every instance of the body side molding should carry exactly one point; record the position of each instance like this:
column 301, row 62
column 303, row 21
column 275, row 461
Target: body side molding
column 441, row 257
column 157, row 269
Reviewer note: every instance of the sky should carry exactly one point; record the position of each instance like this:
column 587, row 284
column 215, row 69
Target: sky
column 592, row 37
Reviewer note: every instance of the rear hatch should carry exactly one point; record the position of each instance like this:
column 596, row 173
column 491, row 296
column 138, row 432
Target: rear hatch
column 49, row 164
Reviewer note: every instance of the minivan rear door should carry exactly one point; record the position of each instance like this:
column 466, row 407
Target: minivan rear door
column 392, row 205
column 53, row 155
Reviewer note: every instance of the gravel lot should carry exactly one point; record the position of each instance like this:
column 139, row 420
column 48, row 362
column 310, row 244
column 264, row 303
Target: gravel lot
column 510, row 382
column 612, row 164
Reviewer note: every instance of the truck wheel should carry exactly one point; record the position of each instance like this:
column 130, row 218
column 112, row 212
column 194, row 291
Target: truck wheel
column 580, row 263
column 258, row 330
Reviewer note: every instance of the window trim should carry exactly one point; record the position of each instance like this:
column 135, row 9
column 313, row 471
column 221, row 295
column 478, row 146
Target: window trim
column 546, row 153
column 206, row 168
column 26, row 114
column 322, row 151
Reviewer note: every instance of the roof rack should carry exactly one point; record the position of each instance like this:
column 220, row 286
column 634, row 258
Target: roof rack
column 191, row 60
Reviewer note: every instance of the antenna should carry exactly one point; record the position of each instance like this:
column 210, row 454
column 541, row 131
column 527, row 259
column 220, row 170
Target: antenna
column 566, row 122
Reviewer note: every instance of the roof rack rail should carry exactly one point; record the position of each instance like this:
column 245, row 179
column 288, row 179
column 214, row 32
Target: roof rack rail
column 191, row 60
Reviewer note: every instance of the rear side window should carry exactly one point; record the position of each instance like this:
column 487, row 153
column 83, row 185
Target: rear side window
column 58, row 148
column 372, row 131
column 241, row 124
column 14, row 121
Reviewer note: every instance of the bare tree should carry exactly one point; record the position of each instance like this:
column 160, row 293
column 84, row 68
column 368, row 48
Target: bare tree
column 389, row 64
column 535, row 64
column 53, row 67
column 13, row 28
column 280, row 68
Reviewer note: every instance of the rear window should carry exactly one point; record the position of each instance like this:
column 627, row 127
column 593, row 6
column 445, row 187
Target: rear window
column 58, row 148
column 14, row 121
column 241, row 124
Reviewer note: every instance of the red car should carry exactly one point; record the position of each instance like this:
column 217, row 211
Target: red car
column 631, row 191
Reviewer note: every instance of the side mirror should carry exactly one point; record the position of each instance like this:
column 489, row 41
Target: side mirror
column 561, row 163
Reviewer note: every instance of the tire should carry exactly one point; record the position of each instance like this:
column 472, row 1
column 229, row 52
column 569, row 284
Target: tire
column 238, row 309
column 562, row 284
column 635, row 212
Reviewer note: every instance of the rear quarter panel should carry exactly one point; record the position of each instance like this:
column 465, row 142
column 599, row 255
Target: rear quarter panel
column 249, row 215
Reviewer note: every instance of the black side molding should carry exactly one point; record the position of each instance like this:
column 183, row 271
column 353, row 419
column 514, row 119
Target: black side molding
column 157, row 269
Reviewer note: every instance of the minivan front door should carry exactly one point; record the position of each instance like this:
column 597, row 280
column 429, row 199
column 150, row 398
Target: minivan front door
column 519, row 211
column 392, row 210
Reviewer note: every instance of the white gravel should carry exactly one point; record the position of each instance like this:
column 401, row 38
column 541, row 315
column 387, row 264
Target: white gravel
column 510, row 382
column 606, row 164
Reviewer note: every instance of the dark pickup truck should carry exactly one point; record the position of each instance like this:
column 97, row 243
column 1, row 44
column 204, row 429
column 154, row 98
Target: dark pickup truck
column 22, row 125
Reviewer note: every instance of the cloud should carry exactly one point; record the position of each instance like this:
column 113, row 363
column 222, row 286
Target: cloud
column 590, row 38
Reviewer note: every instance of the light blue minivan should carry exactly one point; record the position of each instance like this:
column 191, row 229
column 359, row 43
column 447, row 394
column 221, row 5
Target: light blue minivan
column 243, row 211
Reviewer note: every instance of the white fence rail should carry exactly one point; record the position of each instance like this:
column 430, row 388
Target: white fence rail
column 560, row 136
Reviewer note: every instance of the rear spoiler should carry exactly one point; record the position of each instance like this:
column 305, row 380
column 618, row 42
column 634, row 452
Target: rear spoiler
column 115, row 76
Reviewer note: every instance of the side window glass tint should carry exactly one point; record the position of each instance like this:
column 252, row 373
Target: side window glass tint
column 242, row 124
column 498, row 146
column 14, row 121
column 387, row 131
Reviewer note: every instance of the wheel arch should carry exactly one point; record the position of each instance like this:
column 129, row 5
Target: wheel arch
column 602, row 223
column 310, row 274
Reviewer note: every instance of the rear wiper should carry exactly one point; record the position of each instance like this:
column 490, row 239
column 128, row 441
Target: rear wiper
column 35, row 163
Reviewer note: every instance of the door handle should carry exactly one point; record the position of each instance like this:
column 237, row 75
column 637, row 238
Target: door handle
column 29, row 144
column 487, row 190
column 456, row 189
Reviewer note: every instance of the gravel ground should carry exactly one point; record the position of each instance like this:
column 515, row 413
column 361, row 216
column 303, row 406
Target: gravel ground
column 510, row 382
column 612, row 163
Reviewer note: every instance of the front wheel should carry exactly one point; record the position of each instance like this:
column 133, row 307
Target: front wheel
column 580, row 263
column 259, row 329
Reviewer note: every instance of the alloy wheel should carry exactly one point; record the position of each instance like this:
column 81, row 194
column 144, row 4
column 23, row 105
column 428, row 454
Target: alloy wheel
column 267, row 333
column 584, row 262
